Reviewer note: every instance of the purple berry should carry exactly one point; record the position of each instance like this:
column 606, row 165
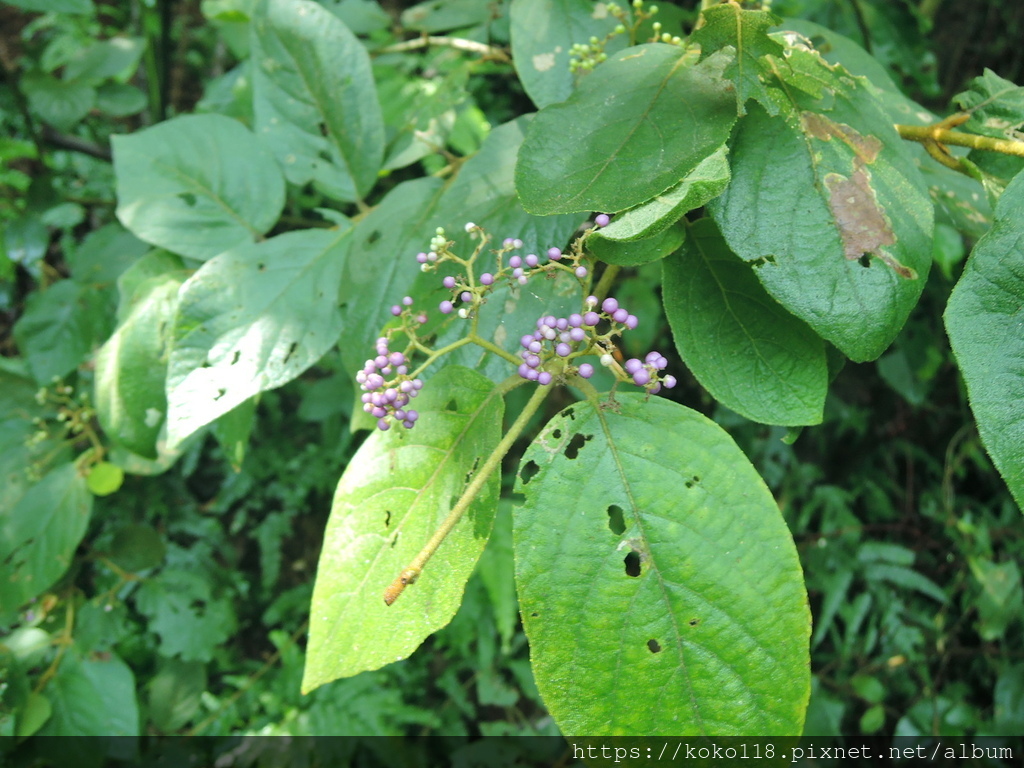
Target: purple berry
column 524, row 370
column 449, row 282
column 631, row 322
column 407, row 301
column 535, row 347
column 517, row 272
column 396, row 310
column 507, row 242
column 381, row 361
column 581, row 272
column 378, row 412
column 633, row 365
column 486, row 278
column 652, row 357
column 383, row 425
column 620, row 315
column 641, row 377
column 577, row 334
column 421, row 258
column 396, row 358
column 669, row 381
column 532, row 360
column 602, row 219
column 532, row 375
column 609, row 305
column 466, row 296
column 586, row 370
column 531, row 260
column 515, row 261
column 445, row 307
column 563, row 350
column 544, row 378
column 412, row 415
column 591, row 319
column 421, row 318
column 525, row 341
column 554, row 253
column 575, row 320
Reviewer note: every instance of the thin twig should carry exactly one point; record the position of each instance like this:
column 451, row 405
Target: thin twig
column 459, row 43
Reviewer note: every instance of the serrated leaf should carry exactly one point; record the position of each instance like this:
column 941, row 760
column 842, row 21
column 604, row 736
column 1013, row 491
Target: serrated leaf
column 92, row 697
column 622, row 137
column 744, row 348
column 59, row 327
column 394, row 494
column 829, row 208
column 633, row 253
column 983, row 322
column 747, row 32
column 544, row 31
column 996, row 106
column 676, row 566
column 315, row 100
column 39, row 535
column 131, row 367
column 196, row 185
column 703, row 183
column 183, row 610
column 250, row 320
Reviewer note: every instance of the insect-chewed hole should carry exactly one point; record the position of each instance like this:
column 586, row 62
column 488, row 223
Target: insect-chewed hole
column 394, row 541
column 864, row 260
column 188, row 199
column 238, row 354
column 616, row 522
column 387, row 518
column 451, row 405
column 692, row 481
column 220, row 393
column 530, row 468
column 653, row 646
column 472, row 470
column 693, row 622
column 632, row 561
column 572, row 450
column 570, row 414
column 535, row 614
column 556, row 433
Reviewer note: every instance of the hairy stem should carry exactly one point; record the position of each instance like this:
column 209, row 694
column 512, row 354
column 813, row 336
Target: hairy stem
column 412, row 572
column 934, row 137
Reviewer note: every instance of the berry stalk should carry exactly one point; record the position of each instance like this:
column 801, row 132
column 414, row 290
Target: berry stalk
column 415, row 567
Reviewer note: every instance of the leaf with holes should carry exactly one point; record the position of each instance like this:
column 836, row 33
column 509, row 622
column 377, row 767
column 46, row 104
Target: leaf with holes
column 196, row 185
column 743, row 347
column 829, row 207
column 394, row 494
column 250, row 320
column 314, row 97
column 644, row 120
column 983, row 321
column 675, row 566
column 544, row 31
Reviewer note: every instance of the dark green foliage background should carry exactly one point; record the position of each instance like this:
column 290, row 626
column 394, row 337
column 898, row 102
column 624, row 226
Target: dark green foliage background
column 200, row 578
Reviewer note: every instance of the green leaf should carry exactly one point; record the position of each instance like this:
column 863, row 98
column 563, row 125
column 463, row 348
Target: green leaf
column 183, row 610
column 120, row 99
column 137, row 548
column 1008, row 699
column 394, row 494
column 1002, row 599
column 746, row 350
column 104, row 478
column 622, row 137
column 92, row 697
column 747, row 32
column 544, row 31
column 360, row 16
column 983, row 322
column 59, row 327
column 829, row 208
column 54, row 6
column 905, row 578
column 33, row 715
column 676, row 566
column 232, row 431
column 633, row 253
column 250, row 320
column 38, row 537
column 131, row 367
column 104, row 254
column 175, row 693
column 196, row 185
column 62, row 103
column 440, row 15
column 116, row 57
column 703, row 183
column 996, row 106
column 315, row 100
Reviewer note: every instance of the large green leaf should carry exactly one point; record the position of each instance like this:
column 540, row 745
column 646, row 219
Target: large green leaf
column 39, row 535
column 315, row 100
column 250, row 320
column 638, row 125
column 743, row 347
column 131, row 368
column 829, row 207
column 996, row 106
column 62, row 103
column 92, row 697
column 544, row 31
column 59, row 327
column 394, row 494
column 747, row 32
column 196, row 185
column 647, row 548
column 983, row 319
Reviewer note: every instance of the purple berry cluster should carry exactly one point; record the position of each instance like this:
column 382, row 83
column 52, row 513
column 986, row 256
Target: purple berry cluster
column 382, row 398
